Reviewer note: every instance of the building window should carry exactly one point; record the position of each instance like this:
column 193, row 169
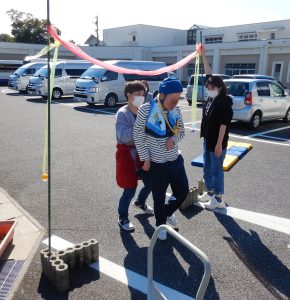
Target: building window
column 134, row 38
column 191, row 37
column 248, row 36
column 277, row 69
column 273, row 36
column 213, row 39
column 238, row 69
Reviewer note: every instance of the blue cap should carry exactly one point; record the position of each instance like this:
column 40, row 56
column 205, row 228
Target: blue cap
column 170, row 86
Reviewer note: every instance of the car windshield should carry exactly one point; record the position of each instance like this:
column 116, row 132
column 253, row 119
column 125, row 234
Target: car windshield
column 237, row 88
column 20, row 71
column 41, row 73
column 93, row 72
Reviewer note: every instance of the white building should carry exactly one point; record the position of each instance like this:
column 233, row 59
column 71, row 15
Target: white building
column 262, row 48
column 144, row 36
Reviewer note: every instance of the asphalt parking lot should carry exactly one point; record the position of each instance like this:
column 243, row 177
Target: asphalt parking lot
column 249, row 250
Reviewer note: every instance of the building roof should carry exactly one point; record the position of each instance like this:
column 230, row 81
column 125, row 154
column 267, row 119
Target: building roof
column 145, row 25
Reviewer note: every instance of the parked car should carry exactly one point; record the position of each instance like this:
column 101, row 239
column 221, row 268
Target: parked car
column 19, row 80
column 258, row 76
column 98, row 85
column 258, row 100
column 201, row 86
column 66, row 74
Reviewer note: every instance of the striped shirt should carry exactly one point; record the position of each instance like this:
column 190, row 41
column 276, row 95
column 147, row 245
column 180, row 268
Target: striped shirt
column 154, row 148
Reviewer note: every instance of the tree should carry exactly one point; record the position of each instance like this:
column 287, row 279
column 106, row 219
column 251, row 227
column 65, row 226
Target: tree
column 26, row 28
column 6, row 38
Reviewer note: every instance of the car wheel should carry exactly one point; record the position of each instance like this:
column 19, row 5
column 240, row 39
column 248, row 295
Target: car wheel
column 56, row 94
column 255, row 121
column 286, row 119
column 111, row 100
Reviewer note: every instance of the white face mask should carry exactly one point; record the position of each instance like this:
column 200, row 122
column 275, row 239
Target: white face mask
column 138, row 101
column 212, row 94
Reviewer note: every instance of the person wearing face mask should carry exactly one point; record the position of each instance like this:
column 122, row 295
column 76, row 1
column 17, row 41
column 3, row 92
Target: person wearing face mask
column 128, row 165
column 216, row 120
column 157, row 131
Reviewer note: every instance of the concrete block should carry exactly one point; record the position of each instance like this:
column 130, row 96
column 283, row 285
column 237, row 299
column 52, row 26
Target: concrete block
column 87, row 252
column 190, row 199
column 62, row 277
column 62, row 255
column 71, row 258
column 54, row 264
column 94, row 244
column 201, row 187
column 79, row 255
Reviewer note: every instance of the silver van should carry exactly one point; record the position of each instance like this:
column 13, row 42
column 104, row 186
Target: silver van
column 98, row 85
column 201, row 86
column 19, row 80
column 66, row 74
column 258, row 100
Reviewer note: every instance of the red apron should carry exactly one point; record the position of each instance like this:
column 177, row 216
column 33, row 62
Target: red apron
column 126, row 167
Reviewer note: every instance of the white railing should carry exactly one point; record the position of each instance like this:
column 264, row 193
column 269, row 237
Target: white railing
column 153, row 292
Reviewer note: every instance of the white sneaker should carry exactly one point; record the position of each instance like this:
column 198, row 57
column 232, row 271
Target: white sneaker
column 172, row 221
column 168, row 198
column 204, row 198
column 215, row 204
column 126, row 225
column 145, row 208
column 162, row 236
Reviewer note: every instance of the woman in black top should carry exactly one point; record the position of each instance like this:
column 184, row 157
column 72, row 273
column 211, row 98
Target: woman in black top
column 216, row 119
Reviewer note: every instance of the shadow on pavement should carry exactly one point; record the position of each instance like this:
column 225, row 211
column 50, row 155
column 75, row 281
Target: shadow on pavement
column 167, row 269
column 259, row 259
column 77, row 279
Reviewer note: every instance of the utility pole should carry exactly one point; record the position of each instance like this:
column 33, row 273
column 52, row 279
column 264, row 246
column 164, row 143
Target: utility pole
column 97, row 29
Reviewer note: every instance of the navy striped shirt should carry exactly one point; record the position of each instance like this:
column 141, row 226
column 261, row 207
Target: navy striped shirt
column 154, row 148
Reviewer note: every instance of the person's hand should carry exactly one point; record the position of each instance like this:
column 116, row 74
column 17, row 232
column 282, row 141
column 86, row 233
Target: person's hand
column 202, row 49
column 218, row 150
column 170, row 143
column 146, row 166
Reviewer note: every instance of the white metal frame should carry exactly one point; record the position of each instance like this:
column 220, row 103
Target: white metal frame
column 153, row 292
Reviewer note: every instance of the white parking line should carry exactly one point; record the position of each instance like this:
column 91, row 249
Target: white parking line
column 120, row 273
column 273, row 137
column 267, row 221
column 268, row 131
column 248, row 138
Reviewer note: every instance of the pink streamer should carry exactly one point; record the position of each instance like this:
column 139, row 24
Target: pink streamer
column 80, row 53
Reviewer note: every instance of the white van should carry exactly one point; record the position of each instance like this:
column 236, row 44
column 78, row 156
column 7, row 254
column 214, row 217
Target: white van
column 98, row 85
column 66, row 74
column 20, row 78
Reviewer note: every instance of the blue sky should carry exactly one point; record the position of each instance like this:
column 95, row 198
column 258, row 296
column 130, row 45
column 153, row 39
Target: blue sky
column 75, row 18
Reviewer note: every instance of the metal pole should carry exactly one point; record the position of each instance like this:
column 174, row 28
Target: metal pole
column 202, row 78
column 48, row 134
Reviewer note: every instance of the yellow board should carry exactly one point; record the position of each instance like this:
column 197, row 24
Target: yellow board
column 246, row 145
column 229, row 161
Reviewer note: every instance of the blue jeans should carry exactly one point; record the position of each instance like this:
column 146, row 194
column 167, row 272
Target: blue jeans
column 213, row 171
column 128, row 195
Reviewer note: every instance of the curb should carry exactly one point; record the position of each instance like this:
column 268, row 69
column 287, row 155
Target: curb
column 33, row 250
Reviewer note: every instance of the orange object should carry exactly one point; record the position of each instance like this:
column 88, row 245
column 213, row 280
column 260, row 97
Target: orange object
column 6, row 234
column 44, row 176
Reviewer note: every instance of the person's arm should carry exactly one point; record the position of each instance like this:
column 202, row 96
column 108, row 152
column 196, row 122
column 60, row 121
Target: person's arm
column 219, row 145
column 207, row 68
column 140, row 136
column 123, row 131
column 226, row 115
